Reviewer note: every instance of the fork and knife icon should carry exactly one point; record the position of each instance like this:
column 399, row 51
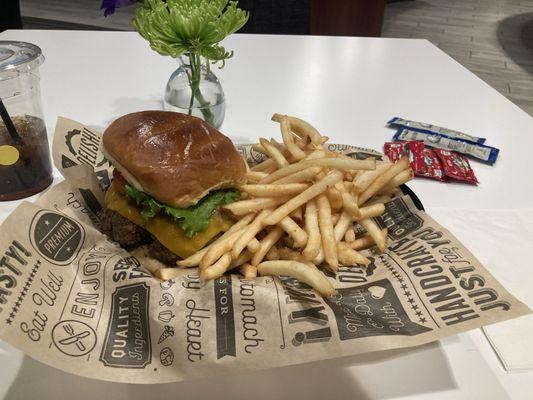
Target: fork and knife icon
column 74, row 338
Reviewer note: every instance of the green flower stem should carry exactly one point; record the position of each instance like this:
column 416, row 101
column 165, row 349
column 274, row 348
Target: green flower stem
column 195, row 77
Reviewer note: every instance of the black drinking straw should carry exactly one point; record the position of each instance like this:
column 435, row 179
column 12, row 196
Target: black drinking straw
column 9, row 123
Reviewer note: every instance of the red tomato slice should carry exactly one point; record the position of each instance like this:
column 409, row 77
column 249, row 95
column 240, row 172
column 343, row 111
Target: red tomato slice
column 119, row 181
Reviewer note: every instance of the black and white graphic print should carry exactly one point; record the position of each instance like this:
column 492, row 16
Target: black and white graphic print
column 127, row 342
column 373, row 309
column 56, row 237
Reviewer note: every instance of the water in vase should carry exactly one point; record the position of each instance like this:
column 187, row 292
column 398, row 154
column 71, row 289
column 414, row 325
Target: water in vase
column 207, row 103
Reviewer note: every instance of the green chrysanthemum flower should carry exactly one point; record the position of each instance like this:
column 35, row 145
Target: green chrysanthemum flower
column 176, row 27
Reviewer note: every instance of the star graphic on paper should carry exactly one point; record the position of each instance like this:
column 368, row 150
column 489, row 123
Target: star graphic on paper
column 407, row 293
column 403, row 286
column 46, row 222
column 19, row 301
column 401, row 280
column 8, row 321
column 411, row 300
column 414, row 307
column 423, row 320
column 418, row 313
column 68, row 248
column 15, row 309
column 12, row 315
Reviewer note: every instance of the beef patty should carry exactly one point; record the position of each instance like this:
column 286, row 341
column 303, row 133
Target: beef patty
column 129, row 235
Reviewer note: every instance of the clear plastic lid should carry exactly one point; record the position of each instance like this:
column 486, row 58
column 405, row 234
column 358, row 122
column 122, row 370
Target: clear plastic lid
column 19, row 56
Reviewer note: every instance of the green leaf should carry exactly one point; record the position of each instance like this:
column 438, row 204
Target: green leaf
column 192, row 219
column 135, row 194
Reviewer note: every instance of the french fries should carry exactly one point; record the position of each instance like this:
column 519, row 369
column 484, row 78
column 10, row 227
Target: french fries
column 319, row 153
column 248, row 271
column 256, row 176
column 335, row 218
column 376, row 233
column 274, row 190
column 335, row 198
column 301, row 128
column 381, row 180
column 266, row 244
column 195, row 259
column 286, row 253
column 258, row 147
column 326, row 231
column 340, row 164
column 261, row 167
column 313, row 235
column 303, row 272
column 342, row 226
column 294, row 231
column 244, row 257
column 288, row 139
column 297, row 215
column 364, row 242
column 166, row 274
column 253, row 205
column 300, row 176
column 374, row 210
column 403, row 177
column 349, row 236
column 217, row 269
column 253, row 245
column 218, row 249
column 248, row 233
column 349, row 256
column 365, row 179
column 298, row 209
column 349, row 203
column 274, row 153
column 303, row 198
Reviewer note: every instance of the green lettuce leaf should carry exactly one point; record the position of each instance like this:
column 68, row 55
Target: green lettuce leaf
column 192, row 219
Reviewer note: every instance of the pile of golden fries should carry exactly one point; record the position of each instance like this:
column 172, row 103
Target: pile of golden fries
column 298, row 211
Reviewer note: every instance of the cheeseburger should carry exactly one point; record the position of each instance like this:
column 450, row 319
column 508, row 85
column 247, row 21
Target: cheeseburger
column 172, row 174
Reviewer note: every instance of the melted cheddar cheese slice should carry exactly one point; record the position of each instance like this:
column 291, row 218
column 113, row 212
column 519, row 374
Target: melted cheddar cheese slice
column 163, row 228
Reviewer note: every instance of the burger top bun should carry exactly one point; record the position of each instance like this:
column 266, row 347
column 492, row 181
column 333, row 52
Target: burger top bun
column 173, row 157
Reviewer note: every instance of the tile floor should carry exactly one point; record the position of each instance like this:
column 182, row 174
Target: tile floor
column 492, row 38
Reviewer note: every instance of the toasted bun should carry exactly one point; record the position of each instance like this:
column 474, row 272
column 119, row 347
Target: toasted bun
column 173, row 157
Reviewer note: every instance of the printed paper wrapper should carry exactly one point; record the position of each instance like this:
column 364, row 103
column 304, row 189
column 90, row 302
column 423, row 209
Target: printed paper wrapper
column 74, row 300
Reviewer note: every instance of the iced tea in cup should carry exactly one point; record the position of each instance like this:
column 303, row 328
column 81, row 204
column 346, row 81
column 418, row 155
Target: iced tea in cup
column 25, row 165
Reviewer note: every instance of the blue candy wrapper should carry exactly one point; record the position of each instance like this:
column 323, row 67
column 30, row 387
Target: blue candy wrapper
column 434, row 129
column 479, row 151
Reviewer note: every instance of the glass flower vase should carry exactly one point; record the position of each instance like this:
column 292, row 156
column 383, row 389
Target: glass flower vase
column 195, row 90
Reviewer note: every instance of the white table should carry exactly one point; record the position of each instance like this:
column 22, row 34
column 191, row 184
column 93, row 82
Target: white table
column 348, row 88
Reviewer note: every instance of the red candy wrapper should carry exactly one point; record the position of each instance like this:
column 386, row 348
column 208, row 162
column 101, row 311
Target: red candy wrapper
column 456, row 166
column 395, row 150
column 422, row 161
column 433, row 165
